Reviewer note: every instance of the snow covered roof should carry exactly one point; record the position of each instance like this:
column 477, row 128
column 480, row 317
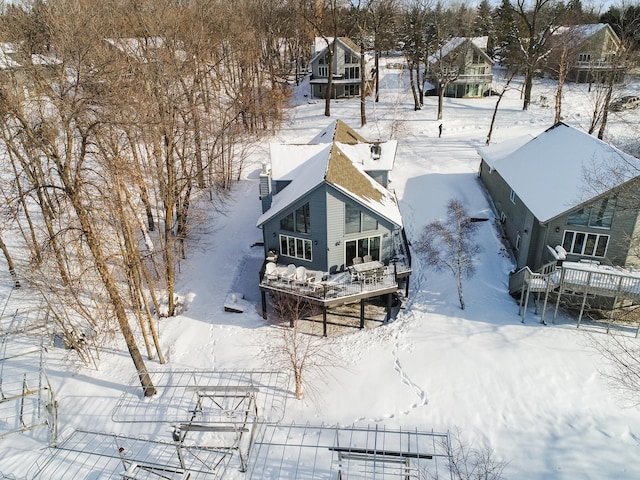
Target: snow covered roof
column 574, row 35
column 547, row 173
column 341, row 165
column 455, row 42
column 583, row 31
column 320, row 45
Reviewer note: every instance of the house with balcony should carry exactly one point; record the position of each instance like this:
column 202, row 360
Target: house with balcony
column 564, row 191
column 347, row 69
column 589, row 52
column 332, row 230
column 462, row 68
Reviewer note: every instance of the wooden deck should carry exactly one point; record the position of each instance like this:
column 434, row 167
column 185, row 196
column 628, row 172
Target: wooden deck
column 577, row 278
column 340, row 289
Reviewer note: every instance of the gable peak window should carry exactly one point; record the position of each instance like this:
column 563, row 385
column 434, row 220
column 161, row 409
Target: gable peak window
column 596, row 215
column 357, row 220
column 297, row 221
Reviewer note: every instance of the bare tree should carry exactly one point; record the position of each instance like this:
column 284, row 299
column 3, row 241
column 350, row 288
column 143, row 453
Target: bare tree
column 536, row 20
column 415, row 35
column 505, row 87
column 323, row 16
column 307, row 356
column 450, row 244
column 623, row 365
column 468, row 463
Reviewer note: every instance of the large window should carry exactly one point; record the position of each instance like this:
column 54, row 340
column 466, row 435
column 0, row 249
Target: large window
column 356, row 221
column 362, row 247
column 323, row 70
column 597, row 215
column 584, row 57
column 587, row 244
column 295, row 247
column 352, row 72
column 297, row 221
column 351, row 58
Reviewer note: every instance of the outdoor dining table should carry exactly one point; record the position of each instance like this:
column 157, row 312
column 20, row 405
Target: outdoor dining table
column 363, row 268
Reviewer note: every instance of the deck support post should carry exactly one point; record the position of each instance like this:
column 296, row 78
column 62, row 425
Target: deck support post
column 526, row 304
column 324, row 321
column 544, row 305
column 584, row 301
column 361, row 313
column 263, row 297
column 615, row 300
column 388, row 317
column 524, row 285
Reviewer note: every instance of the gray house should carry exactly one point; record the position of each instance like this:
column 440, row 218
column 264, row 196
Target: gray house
column 564, row 188
column 328, row 216
column 590, row 51
column 462, row 68
column 347, row 74
column 325, row 203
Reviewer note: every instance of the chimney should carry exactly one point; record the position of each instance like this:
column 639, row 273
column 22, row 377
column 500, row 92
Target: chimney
column 265, row 187
column 376, row 150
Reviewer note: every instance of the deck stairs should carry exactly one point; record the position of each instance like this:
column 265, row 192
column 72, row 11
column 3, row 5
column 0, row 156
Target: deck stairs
column 577, row 278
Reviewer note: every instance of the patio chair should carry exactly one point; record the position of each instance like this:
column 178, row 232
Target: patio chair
column 300, row 276
column 289, row 274
column 355, row 277
column 367, row 258
column 357, row 260
column 315, row 281
column 271, row 271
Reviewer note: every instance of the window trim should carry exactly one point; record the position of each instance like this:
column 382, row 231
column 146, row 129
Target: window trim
column 304, row 241
column 361, row 221
column 598, row 236
column 348, row 261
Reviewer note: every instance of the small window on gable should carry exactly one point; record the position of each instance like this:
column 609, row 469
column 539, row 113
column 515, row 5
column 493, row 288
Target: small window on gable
column 512, row 197
column 518, row 239
column 503, row 217
column 297, row 221
column 356, row 220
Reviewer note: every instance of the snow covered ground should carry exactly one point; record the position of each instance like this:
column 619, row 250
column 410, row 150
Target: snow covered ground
column 532, row 393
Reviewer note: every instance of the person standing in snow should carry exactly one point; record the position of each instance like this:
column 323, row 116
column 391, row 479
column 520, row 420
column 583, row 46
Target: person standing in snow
column 439, row 130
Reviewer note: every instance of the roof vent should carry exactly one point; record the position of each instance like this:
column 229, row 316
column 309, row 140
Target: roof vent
column 376, row 150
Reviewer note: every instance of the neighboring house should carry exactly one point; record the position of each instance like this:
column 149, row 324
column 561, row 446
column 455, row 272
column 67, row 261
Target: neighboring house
column 556, row 190
column 324, row 204
column 347, row 74
column 591, row 52
column 462, row 67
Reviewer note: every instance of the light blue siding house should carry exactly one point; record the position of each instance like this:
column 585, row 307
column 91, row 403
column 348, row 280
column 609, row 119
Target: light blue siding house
column 325, row 206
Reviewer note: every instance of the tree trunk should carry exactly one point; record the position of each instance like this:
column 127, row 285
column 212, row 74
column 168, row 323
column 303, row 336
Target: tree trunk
column 528, row 85
column 10, row 264
column 416, row 101
column 377, row 67
column 363, row 93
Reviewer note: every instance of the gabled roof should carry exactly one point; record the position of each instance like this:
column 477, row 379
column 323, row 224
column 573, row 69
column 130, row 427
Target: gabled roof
column 309, row 166
column 338, row 131
column 583, row 31
column 320, row 46
column 549, row 173
column 478, row 43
